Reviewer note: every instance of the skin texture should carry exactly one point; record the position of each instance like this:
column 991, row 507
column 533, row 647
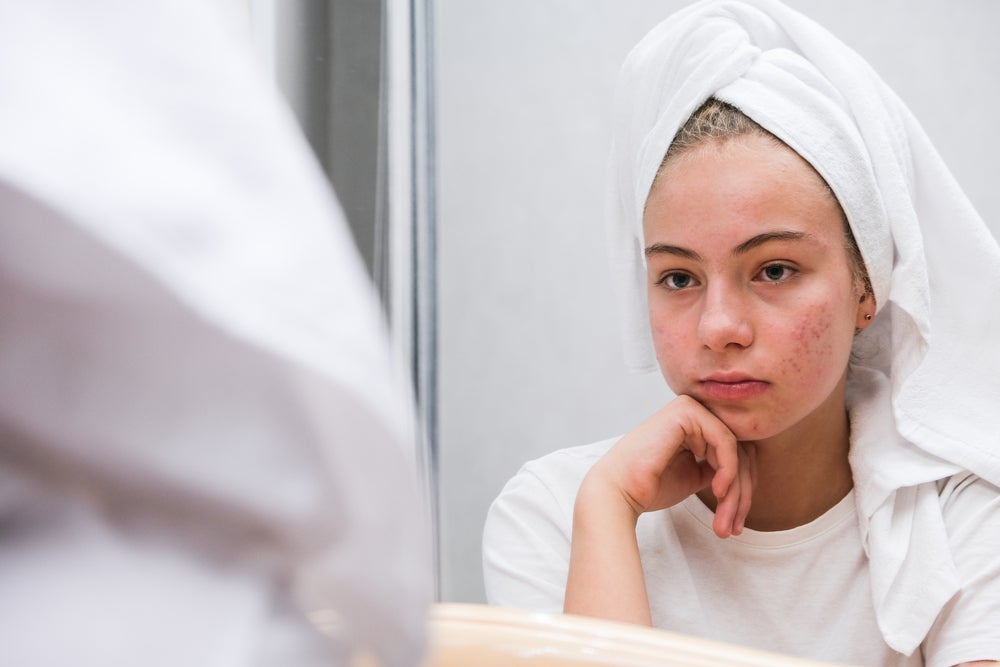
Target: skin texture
column 753, row 308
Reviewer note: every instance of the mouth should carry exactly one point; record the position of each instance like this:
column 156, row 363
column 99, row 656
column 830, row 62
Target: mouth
column 732, row 387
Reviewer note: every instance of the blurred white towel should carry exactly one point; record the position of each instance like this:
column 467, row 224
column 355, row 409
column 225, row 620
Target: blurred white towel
column 200, row 433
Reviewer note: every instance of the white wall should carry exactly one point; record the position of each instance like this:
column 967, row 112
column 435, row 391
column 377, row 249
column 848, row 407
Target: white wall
column 529, row 355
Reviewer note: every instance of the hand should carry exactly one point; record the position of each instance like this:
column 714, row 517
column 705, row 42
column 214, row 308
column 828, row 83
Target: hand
column 680, row 450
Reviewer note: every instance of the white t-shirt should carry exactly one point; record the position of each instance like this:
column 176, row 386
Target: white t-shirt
column 803, row 591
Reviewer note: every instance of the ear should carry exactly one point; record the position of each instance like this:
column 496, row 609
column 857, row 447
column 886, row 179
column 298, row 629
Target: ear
column 866, row 311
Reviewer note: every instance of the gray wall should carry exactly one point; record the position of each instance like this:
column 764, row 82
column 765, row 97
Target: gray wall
column 529, row 355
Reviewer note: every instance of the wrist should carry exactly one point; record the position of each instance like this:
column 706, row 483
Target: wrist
column 600, row 499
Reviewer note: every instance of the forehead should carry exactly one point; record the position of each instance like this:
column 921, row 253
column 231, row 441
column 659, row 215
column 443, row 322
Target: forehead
column 735, row 185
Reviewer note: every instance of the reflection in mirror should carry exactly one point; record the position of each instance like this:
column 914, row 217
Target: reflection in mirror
column 530, row 355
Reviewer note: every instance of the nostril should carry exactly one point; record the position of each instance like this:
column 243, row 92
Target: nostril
column 722, row 329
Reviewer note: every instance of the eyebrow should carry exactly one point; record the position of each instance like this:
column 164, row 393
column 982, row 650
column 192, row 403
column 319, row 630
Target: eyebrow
column 767, row 237
column 741, row 249
column 664, row 249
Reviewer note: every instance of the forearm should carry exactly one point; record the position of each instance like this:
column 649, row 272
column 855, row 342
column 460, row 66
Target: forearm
column 605, row 572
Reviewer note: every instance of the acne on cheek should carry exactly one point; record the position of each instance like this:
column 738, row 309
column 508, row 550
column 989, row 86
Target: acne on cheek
column 813, row 339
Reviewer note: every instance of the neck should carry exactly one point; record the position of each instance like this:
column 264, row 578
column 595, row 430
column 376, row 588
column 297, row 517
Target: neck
column 801, row 472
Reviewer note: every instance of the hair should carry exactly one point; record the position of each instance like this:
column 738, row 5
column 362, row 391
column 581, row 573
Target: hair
column 720, row 121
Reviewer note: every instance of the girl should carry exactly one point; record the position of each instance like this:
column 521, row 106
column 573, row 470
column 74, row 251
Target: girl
column 790, row 253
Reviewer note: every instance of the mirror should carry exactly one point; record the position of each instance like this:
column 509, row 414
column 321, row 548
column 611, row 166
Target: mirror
column 530, row 359
column 514, row 121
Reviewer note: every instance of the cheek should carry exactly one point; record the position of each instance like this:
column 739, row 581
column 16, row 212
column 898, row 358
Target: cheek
column 672, row 343
column 817, row 346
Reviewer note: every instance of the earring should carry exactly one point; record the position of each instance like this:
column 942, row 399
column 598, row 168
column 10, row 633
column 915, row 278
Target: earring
column 868, row 316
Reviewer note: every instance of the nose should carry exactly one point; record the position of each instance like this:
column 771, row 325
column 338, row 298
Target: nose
column 724, row 321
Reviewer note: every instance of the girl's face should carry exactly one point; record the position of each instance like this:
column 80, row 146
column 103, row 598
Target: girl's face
column 752, row 303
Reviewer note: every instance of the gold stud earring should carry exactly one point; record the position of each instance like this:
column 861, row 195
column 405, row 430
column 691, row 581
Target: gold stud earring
column 868, row 316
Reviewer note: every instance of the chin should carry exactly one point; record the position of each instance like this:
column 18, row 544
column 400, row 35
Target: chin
column 748, row 427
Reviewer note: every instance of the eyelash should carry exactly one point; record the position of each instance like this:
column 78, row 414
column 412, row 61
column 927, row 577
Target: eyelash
column 787, row 273
column 665, row 280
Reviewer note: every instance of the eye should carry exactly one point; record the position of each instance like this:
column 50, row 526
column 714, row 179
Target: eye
column 676, row 280
column 776, row 273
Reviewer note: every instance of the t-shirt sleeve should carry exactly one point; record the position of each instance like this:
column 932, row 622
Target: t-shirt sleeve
column 526, row 544
column 969, row 627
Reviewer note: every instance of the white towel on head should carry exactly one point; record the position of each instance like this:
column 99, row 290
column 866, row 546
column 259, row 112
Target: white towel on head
column 934, row 266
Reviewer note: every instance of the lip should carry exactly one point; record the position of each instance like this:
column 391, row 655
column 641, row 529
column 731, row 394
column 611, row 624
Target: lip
column 732, row 386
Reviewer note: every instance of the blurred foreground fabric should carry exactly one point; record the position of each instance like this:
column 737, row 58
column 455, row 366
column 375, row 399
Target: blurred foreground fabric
column 201, row 436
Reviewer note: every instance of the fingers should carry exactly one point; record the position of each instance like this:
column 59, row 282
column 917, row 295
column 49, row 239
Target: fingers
column 748, row 480
column 720, row 450
column 732, row 509
column 680, row 450
column 733, row 470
